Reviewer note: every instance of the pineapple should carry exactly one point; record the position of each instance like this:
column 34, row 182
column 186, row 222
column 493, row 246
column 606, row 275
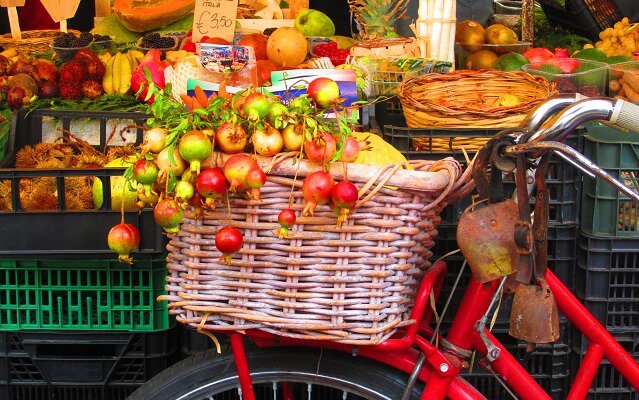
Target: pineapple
column 377, row 17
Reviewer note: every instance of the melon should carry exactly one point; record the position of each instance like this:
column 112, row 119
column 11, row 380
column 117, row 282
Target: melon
column 287, row 47
column 147, row 15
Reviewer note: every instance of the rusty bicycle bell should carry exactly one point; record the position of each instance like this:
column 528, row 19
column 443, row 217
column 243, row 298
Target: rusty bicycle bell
column 534, row 317
column 486, row 231
column 485, row 236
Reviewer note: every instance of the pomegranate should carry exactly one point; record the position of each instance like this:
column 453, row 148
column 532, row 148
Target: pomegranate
column 228, row 241
column 351, row 150
column 197, row 202
column 211, row 183
column 255, row 179
column 236, row 170
column 316, row 189
column 176, row 166
column 255, row 106
column 321, row 149
column 276, row 113
column 287, row 220
column 154, row 140
column 324, row 92
column 231, row 138
column 293, row 137
column 344, row 195
column 195, row 147
column 267, row 142
column 168, row 214
column 123, row 239
column 184, row 190
column 145, row 172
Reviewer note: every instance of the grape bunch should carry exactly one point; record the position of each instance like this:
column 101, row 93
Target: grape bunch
column 156, row 41
column 70, row 40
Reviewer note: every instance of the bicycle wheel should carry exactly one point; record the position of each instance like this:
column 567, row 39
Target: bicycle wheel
column 313, row 374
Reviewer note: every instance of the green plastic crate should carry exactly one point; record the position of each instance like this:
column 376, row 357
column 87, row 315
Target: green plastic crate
column 83, row 295
column 605, row 212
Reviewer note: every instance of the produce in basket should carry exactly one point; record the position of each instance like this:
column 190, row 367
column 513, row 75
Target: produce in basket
column 471, row 99
column 178, row 163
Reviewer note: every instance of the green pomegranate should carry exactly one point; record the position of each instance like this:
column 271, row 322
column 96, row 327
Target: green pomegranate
column 195, row 147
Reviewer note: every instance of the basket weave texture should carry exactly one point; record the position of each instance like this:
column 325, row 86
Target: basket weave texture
column 32, row 41
column 471, row 99
column 351, row 284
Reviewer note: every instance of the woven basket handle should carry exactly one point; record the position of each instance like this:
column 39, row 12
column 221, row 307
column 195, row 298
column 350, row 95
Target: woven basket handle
column 429, row 177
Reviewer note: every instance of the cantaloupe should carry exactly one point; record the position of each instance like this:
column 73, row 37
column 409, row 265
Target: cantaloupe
column 147, row 15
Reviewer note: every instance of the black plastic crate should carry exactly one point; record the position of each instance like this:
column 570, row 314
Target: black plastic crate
column 607, row 280
column 79, row 366
column 84, row 231
column 563, row 182
column 549, row 364
column 435, row 144
column 584, row 17
column 389, row 113
column 192, row 342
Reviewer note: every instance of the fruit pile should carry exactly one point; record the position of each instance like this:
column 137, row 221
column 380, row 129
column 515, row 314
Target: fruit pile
column 23, row 78
column 70, row 40
column 40, row 194
column 156, row 41
column 82, row 77
column 119, row 71
column 177, row 163
column 485, row 45
column 330, row 50
column 624, row 82
column 621, row 40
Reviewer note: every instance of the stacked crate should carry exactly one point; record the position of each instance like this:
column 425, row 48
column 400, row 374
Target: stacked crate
column 550, row 364
column 74, row 322
column 607, row 273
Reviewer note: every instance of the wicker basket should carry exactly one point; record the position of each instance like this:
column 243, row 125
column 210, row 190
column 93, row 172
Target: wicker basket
column 32, row 41
column 351, row 284
column 471, row 99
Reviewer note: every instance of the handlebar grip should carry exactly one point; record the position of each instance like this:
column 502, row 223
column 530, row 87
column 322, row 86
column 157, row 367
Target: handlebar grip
column 626, row 115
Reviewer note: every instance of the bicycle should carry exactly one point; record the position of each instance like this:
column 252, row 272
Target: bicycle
column 417, row 362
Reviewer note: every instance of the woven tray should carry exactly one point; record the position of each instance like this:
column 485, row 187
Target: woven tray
column 353, row 284
column 32, row 41
column 471, row 99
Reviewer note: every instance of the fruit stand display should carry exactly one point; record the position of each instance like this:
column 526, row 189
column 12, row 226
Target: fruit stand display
column 164, row 158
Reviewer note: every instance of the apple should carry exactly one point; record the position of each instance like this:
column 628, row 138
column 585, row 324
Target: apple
column 324, row 92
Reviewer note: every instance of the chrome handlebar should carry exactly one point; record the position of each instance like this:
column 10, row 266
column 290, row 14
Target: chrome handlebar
column 551, row 121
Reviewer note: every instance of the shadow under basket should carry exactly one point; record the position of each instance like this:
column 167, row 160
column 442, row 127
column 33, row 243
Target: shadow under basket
column 351, row 284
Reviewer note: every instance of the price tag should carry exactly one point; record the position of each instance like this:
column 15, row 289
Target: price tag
column 12, row 3
column 60, row 10
column 214, row 18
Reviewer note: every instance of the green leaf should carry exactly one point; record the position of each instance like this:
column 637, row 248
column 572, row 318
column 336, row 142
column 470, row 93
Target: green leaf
column 128, row 173
column 172, row 180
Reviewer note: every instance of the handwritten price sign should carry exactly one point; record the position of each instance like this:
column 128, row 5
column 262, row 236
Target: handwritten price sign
column 214, row 18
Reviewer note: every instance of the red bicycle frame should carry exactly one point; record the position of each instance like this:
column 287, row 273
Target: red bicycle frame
column 440, row 372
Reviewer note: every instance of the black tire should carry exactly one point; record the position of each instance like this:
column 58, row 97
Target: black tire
column 207, row 374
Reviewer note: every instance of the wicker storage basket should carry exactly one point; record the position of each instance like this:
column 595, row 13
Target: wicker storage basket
column 351, row 284
column 471, row 99
column 32, row 41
